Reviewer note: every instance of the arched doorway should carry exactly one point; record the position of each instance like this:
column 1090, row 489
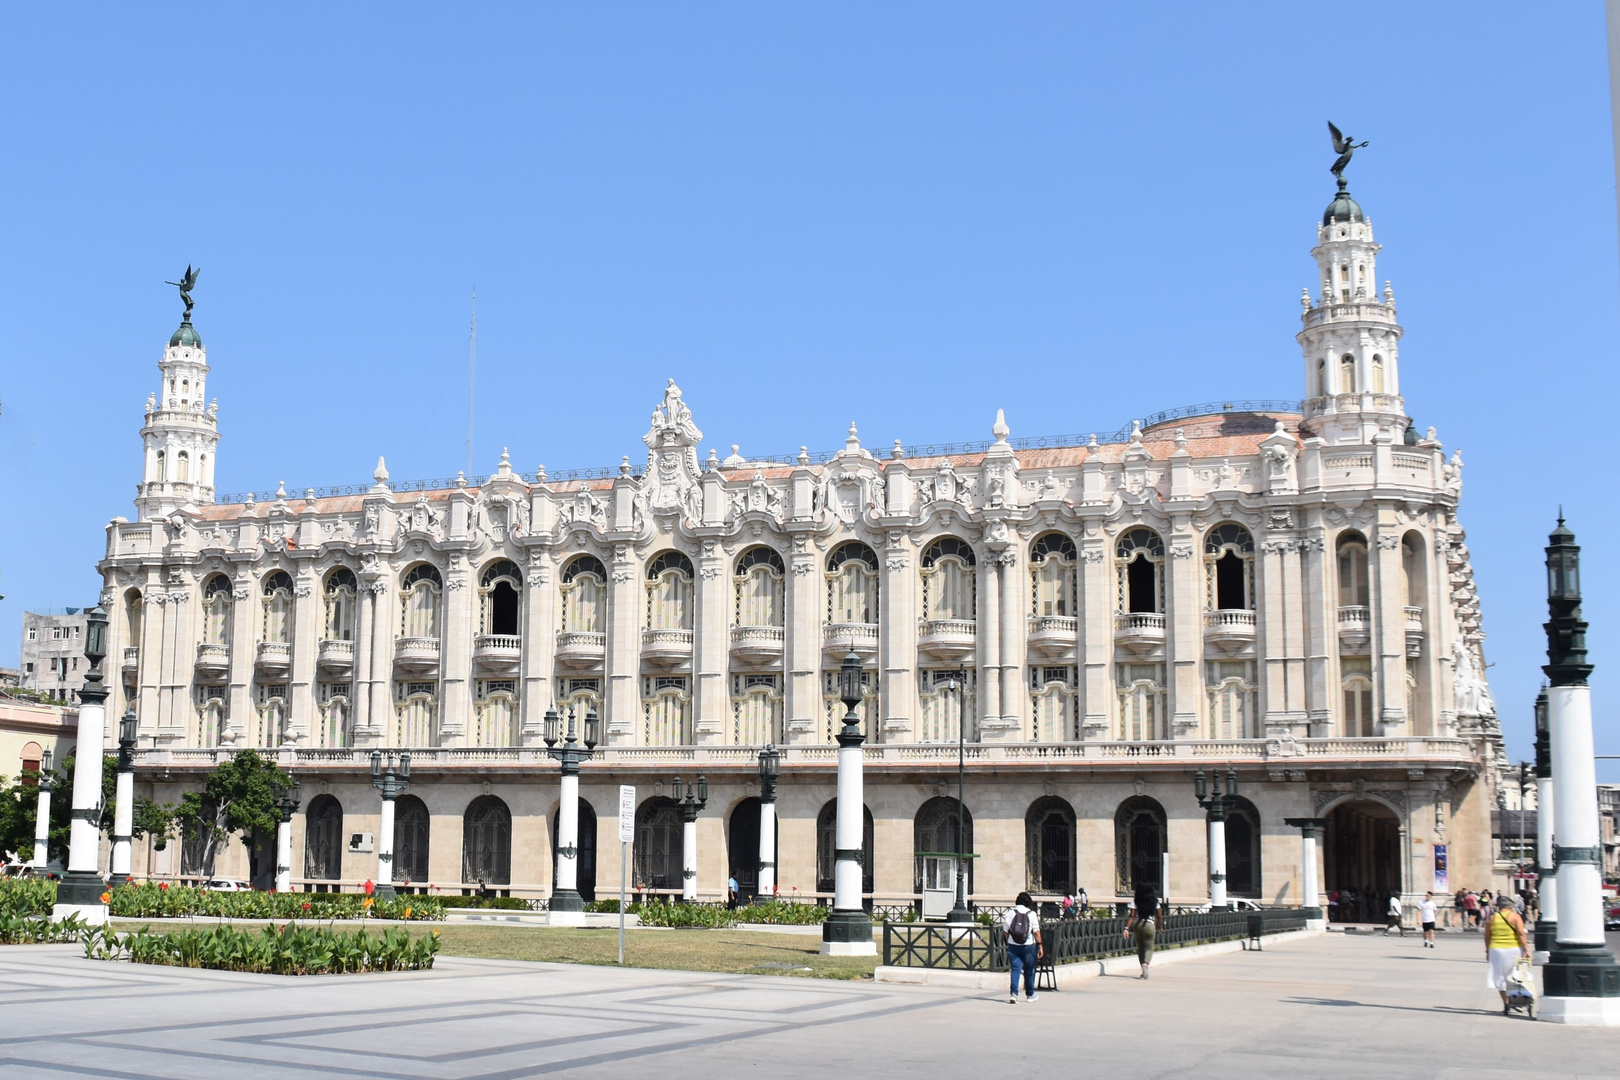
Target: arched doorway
column 486, row 842
column 411, row 824
column 1243, row 850
column 323, row 839
column 1049, row 846
column 743, row 849
column 1140, row 833
column 659, row 839
column 935, row 830
column 827, row 848
column 585, row 863
column 1362, row 859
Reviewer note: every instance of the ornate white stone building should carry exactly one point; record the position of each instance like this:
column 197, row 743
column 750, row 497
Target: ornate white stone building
column 1276, row 587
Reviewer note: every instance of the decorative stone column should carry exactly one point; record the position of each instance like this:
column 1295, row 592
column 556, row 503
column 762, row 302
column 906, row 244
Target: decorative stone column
column 1309, row 891
column 848, row 931
column 80, row 890
column 711, row 698
column 1388, row 645
column 801, row 655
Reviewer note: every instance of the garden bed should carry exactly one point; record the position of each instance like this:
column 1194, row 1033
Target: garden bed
column 275, row 950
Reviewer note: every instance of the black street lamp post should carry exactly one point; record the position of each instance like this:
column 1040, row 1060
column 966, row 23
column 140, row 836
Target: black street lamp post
column 696, row 797
column 770, row 767
column 958, row 686
column 124, row 799
column 848, row 930
column 391, row 782
column 1217, row 804
column 79, row 892
column 286, row 800
column 565, row 897
column 1546, row 875
column 42, row 816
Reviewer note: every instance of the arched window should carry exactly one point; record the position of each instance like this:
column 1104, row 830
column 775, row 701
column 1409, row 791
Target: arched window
column 486, row 842
column 495, row 716
column 1378, row 374
column 827, row 848
column 416, row 714
column 1140, row 835
column 160, row 465
column 500, row 588
column 1232, row 700
column 1052, row 559
column 217, row 610
column 935, row 830
column 669, row 592
column 1243, row 850
column 1321, row 378
column 1049, row 846
column 412, row 826
column 1347, row 374
column 336, row 716
column 132, row 618
column 1352, row 552
column 1141, row 702
column 419, row 593
column 658, row 844
column 1229, row 568
column 577, row 697
column 1355, row 684
column 211, row 718
column 1414, row 573
column 341, row 590
column 323, row 839
column 666, row 710
column 182, row 468
column 947, row 580
column 758, row 583
column 278, row 609
column 1139, row 559
column 584, row 588
column 756, row 708
column 1054, row 697
column 852, row 584
column 272, row 725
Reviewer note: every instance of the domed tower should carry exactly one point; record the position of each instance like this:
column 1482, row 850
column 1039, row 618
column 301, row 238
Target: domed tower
column 1350, row 337
column 180, row 435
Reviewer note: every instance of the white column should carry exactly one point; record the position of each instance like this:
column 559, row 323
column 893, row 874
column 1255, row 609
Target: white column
column 767, row 849
column 385, row 850
column 1547, row 886
column 1217, row 861
column 42, row 828
column 79, row 893
column 1580, row 884
column 849, row 830
column 123, row 822
column 689, row 860
column 1309, row 891
column 284, row 855
column 566, row 906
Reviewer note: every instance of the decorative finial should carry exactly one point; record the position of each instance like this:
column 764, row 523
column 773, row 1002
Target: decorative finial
column 380, row 473
column 461, row 478
column 714, row 459
column 898, row 452
column 1305, row 299
column 1091, row 444
column 1000, row 429
column 1389, row 294
column 624, row 466
column 281, row 489
column 309, row 495
column 1345, row 146
column 853, row 442
column 804, row 455
column 540, row 474
column 186, row 283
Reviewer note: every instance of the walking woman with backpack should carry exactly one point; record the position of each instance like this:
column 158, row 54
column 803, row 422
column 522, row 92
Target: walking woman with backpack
column 1024, row 946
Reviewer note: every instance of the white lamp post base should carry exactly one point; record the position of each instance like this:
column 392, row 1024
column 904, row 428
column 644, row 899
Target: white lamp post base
column 90, row 914
column 849, row 948
column 1580, row 1011
column 566, row 918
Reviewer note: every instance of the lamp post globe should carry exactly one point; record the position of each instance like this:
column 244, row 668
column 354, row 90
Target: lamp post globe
column 848, row 930
column 81, row 888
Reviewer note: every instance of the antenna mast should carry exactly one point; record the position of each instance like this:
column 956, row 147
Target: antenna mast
column 472, row 368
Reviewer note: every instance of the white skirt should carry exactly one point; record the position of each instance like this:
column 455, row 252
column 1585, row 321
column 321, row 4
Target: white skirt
column 1499, row 965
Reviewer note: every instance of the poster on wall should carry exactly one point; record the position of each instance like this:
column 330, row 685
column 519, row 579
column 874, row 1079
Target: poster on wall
column 1442, row 883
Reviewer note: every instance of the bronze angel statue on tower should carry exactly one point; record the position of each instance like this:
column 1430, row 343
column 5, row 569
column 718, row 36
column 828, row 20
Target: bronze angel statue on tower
column 185, row 285
column 1345, row 146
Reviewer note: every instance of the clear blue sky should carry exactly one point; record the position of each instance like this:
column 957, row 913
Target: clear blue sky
column 907, row 215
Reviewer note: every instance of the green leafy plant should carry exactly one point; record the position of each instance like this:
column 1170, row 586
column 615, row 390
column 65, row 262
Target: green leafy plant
column 25, row 897
column 498, row 903
column 161, row 901
column 275, row 950
column 783, row 913
column 711, row 916
column 38, row 930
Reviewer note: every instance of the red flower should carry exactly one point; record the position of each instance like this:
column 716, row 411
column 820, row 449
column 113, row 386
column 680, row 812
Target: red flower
column 306, row 905
column 164, row 885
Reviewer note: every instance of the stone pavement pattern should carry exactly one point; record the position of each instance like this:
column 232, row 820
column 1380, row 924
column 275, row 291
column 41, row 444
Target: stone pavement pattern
column 1328, row 1006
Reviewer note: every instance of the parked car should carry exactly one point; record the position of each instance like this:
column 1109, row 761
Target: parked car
column 1234, row 903
column 225, row 884
column 1611, row 914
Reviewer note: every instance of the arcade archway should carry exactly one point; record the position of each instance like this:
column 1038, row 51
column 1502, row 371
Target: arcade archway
column 1362, row 859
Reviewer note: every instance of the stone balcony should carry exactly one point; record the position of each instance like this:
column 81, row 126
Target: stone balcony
column 417, row 654
column 132, row 659
column 1053, row 636
column 1229, row 629
column 1139, row 631
column 273, row 659
column 213, row 659
column 666, row 648
column 1414, row 631
column 581, row 648
column 947, row 639
column 757, row 644
column 498, row 654
column 839, row 638
column 1355, row 630
column 335, row 656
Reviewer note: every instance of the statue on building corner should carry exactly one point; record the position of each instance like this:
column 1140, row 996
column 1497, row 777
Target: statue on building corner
column 186, row 283
column 1345, row 146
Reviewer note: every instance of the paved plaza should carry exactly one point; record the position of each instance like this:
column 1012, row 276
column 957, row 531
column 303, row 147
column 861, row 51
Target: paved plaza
column 1338, row 1005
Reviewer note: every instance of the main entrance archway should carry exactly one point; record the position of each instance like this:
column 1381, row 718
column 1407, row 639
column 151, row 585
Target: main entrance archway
column 1362, row 859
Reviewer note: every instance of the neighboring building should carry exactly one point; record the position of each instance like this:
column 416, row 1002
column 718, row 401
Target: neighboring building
column 53, row 653
column 28, row 729
column 1609, row 822
column 1282, row 588
column 10, row 677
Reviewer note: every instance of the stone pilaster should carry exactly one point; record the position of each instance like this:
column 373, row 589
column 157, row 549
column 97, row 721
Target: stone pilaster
column 801, row 660
column 898, row 617
column 1184, row 630
column 626, row 605
column 712, row 699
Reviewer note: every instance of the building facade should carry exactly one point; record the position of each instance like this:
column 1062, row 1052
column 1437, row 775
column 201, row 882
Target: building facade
column 1280, row 588
column 52, row 655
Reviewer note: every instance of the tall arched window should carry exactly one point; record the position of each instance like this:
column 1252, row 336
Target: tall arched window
column 1243, row 850
column 500, row 591
column 272, row 720
column 1049, row 846
column 1229, row 568
column 412, row 826
column 852, row 584
column 758, row 583
column 211, row 717
column 584, row 588
column 1232, row 700
column 416, row 714
column 278, row 606
column 1139, row 559
column 495, row 716
column 182, row 467
column 132, row 618
column 323, row 839
column 945, row 700
column 666, row 710
column 935, row 830
column 1054, row 698
column 1355, row 685
column 1140, row 836
column 1378, row 374
column 669, row 592
column 419, row 593
column 1141, row 701
column 947, row 580
column 1052, row 559
column 658, row 844
column 1352, row 559
column 827, row 847
column 341, row 590
column 756, row 708
column 1414, row 573
column 1322, row 378
column 161, row 475
column 1347, row 374
column 217, row 610
column 486, row 842
column 336, row 715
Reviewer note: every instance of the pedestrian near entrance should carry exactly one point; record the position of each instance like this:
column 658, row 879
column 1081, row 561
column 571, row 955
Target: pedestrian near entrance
column 1504, row 944
column 1144, row 921
column 1392, row 919
column 1024, row 948
column 1426, row 911
column 1084, row 901
column 731, row 892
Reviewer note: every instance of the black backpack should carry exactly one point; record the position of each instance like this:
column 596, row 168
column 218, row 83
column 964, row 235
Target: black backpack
column 1018, row 930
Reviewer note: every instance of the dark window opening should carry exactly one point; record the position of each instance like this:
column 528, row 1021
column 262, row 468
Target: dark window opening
column 1140, row 579
column 503, row 609
column 1229, row 582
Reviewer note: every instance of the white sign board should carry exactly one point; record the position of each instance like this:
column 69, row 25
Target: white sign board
column 627, row 814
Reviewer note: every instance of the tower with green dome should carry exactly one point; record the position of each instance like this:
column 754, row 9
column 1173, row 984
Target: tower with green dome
column 180, row 434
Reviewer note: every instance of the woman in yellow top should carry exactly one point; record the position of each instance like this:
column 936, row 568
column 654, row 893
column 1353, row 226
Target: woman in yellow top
column 1504, row 944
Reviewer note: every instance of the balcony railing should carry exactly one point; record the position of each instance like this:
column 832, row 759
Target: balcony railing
column 1355, row 629
column 666, row 648
column 213, row 659
column 418, row 654
column 947, row 639
column 501, row 653
column 132, row 659
column 1053, row 635
column 335, row 655
column 757, row 643
column 1229, row 629
column 1414, row 631
column 273, row 657
column 581, row 648
column 1139, row 631
column 839, row 638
